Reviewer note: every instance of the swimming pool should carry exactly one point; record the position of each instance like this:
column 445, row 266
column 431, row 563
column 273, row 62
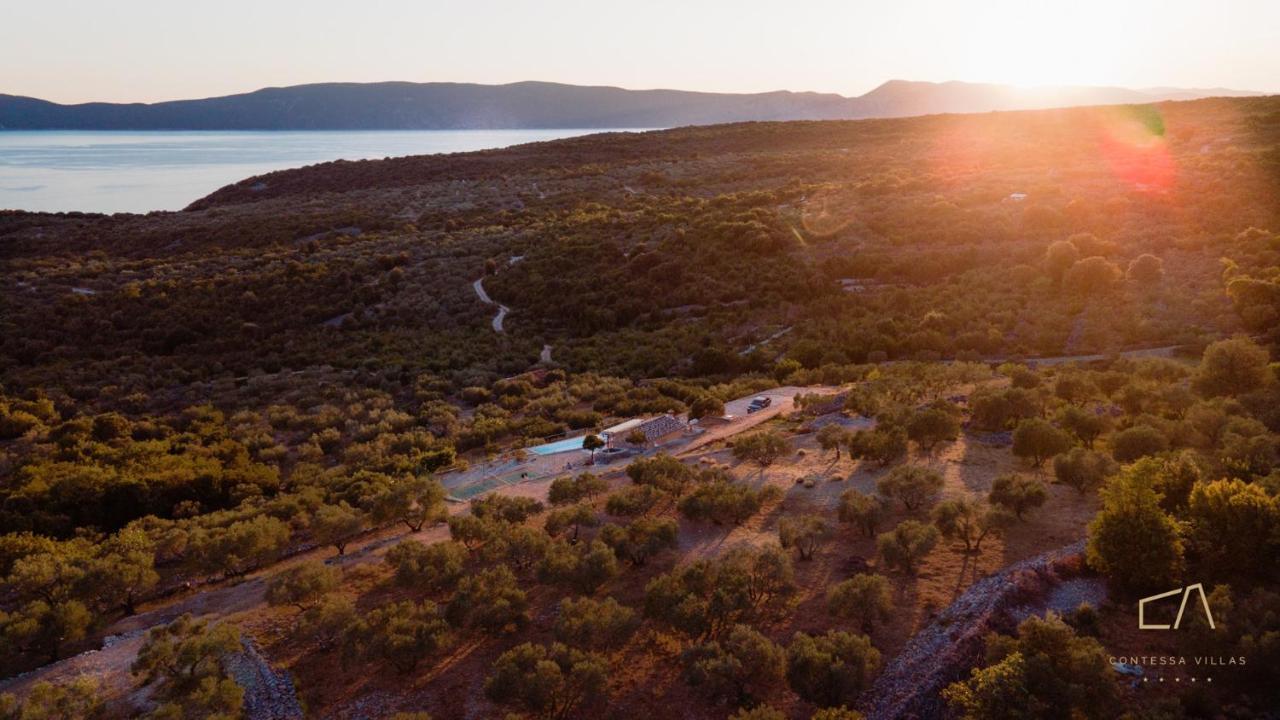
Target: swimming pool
column 559, row 446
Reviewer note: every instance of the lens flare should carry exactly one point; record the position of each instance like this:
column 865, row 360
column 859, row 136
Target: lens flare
column 1133, row 143
column 827, row 212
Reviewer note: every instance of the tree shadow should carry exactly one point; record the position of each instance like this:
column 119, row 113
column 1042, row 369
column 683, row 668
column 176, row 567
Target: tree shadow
column 969, row 566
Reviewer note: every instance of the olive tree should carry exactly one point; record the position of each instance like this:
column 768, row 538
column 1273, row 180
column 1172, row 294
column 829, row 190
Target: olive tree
column 1038, row 440
column 594, row 624
column 404, row 633
column 864, row 600
column 1132, row 540
column 969, row 520
column 567, row 491
column 1082, row 469
column 1232, row 367
column 866, row 512
column 805, row 533
column 546, row 681
column 914, row 486
column 1018, row 494
column 739, row 668
column 491, row 599
column 932, row 426
column 336, row 524
column 907, row 544
column 831, row 670
column 832, row 437
column 763, row 448
column 184, row 661
column 303, row 585
column 431, row 567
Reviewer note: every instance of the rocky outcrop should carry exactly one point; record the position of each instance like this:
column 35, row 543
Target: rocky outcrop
column 268, row 694
column 911, row 685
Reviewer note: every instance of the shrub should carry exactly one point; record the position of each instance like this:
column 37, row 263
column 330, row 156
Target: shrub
column 759, row 712
column 403, row 633
column 239, row 547
column 505, row 508
column 79, row 699
column 633, row 501
column 1232, row 525
column 662, row 472
column 583, row 568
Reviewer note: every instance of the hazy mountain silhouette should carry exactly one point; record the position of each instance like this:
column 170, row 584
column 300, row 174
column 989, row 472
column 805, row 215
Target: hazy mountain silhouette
column 411, row 106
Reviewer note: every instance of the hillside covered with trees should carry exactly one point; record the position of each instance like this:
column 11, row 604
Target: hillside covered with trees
column 232, row 432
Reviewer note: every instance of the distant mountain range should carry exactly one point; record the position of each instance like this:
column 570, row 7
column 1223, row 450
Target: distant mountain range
column 440, row 106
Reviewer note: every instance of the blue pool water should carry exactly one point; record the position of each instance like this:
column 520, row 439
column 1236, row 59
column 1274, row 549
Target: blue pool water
column 559, row 446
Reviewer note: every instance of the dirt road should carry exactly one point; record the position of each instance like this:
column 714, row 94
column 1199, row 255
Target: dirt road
column 478, row 285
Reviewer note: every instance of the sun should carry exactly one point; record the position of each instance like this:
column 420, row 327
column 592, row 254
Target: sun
column 1039, row 44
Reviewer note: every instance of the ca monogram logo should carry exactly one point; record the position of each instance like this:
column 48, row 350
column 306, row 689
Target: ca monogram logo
column 1185, row 593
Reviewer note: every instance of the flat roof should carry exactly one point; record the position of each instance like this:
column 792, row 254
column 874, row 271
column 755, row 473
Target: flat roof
column 623, row 426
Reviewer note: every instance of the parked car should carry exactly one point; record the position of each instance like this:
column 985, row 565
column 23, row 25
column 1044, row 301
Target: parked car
column 759, row 403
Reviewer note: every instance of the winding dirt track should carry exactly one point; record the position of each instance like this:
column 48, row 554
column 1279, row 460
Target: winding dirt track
column 478, row 285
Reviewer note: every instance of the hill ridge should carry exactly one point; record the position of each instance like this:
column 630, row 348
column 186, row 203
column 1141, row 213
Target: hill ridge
column 529, row 104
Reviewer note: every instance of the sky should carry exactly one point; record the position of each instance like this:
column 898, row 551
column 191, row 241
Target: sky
column 149, row 50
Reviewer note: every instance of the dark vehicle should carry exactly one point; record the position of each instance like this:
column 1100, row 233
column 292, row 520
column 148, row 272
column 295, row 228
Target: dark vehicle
column 759, row 403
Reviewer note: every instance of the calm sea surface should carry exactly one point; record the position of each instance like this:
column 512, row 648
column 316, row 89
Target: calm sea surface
column 144, row 171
